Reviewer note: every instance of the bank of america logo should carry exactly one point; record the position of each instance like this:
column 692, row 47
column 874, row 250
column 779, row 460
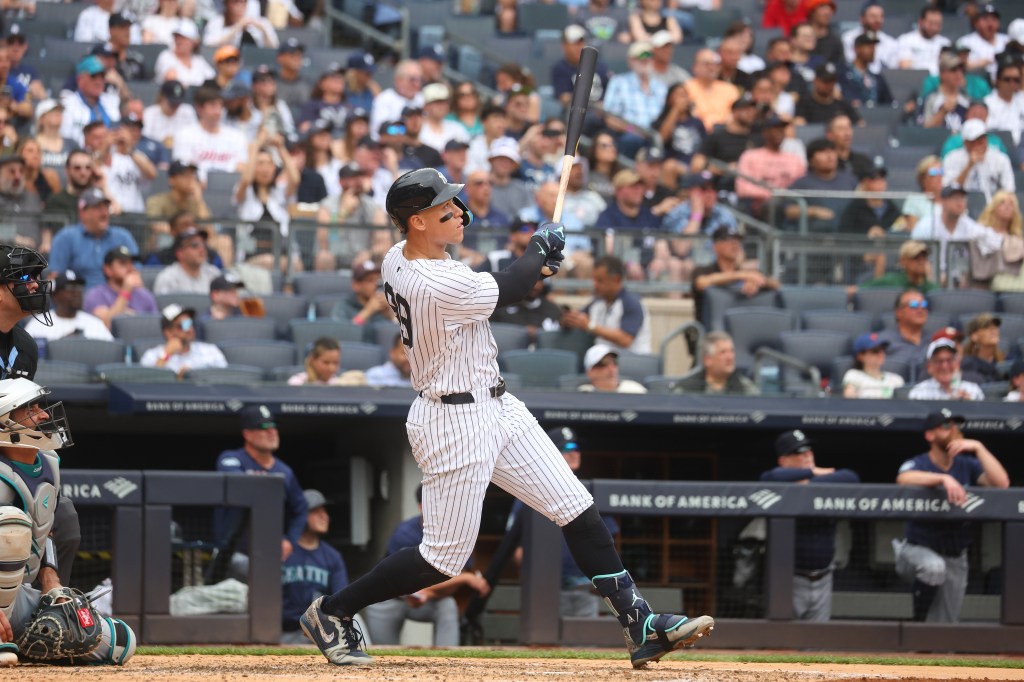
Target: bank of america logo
column 368, row 408
column 885, row 419
column 121, row 487
column 764, row 498
column 972, row 503
column 757, row 416
column 629, row 415
column 1013, row 423
column 234, row 405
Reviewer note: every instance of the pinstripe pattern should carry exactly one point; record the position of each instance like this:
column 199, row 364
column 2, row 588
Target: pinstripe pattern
column 461, row 448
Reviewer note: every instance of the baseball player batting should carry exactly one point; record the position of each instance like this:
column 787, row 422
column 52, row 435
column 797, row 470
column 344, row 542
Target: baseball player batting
column 466, row 430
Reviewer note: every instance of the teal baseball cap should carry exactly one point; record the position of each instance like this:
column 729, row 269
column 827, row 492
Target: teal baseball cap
column 90, row 65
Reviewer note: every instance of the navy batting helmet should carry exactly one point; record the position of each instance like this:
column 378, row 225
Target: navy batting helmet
column 419, row 190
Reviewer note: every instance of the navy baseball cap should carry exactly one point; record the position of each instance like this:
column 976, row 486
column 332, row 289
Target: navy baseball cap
column 434, row 52
column 870, row 341
column 67, row 279
column 362, row 61
column 940, row 417
column 792, row 443
column 257, row 417
column 291, row 45
column 564, row 439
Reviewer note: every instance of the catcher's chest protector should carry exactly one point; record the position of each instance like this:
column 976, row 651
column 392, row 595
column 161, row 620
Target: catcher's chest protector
column 34, row 490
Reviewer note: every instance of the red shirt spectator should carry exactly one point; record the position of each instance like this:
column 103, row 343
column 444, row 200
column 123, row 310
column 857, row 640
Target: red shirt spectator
column 784, row 14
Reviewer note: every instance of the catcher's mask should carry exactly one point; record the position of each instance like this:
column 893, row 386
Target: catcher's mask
column 28, row 420
column 419, row 190
column 22, row 268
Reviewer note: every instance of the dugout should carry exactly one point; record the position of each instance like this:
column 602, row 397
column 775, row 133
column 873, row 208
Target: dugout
column 350, row 442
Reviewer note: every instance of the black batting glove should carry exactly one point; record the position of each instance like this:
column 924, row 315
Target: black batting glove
column 550, row 237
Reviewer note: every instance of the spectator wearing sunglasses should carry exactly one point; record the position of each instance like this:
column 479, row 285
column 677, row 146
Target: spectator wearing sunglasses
column 925, row 204
column 634, row 99
column 907, row 342
column 1006, row 102
column 181, row 352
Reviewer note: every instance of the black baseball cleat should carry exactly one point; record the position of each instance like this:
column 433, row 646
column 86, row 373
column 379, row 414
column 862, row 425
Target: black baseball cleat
column 339, row 639
column 664, row 633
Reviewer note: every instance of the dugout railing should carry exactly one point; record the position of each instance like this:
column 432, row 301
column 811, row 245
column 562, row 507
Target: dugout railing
column 145, row 551
column 781, row 506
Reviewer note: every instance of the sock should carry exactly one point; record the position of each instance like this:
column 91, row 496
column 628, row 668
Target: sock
column 591, row 544
column 923, row 595
column 401, row 573
column 624, row 599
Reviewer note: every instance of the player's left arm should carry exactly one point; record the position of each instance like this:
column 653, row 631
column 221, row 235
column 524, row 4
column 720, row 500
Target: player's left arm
column 992, row 475
column 515, row 281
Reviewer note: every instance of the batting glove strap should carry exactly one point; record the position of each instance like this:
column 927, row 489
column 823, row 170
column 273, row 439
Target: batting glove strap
column 549, row 237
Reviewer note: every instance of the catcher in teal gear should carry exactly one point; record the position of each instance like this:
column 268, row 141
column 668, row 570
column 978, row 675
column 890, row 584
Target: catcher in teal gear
column 40, row 620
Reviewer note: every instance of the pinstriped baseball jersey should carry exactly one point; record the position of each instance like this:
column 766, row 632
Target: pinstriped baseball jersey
column 442, row 308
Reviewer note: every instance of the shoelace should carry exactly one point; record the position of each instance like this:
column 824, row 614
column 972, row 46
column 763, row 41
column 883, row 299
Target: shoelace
column 353, row 635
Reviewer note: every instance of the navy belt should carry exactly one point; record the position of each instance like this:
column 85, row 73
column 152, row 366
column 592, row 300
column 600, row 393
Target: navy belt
column 467, row 398
column 814, row 576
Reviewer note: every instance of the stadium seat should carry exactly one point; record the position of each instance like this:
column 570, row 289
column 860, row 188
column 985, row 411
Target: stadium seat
column 263, row 354
column 572, row 382
column 90, row 352
column 905, row 83
column 711, row 24
column 953, row 303
column 359, row 355
column 197, row 302
column 381, row 333
column 661, row 384
column 220, row 188
column 313, row 284
column 818, row 348
column 847, row 322
column 510, row 336
column 55, row 372
column 281, row 375
column 149, row 54
column 919, row 136
column 575, row 340
column 801, row 299
column 752, row 328
column 253, row 56
column 717, row 300
column 240, row 329
column 235, row 375
column 540, row 368
column 995, row 390
column 282, row 309
column 638, row 366
column 128, row 328
column 304, row 332
column 120, row 372
column 535, row 16
column 877, row 302
column 1012, row 302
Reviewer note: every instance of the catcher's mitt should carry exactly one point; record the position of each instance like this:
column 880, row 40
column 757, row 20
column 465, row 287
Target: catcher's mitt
column 64, row 627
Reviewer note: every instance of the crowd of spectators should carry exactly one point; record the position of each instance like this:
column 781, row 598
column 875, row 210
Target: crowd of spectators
column 672, row 148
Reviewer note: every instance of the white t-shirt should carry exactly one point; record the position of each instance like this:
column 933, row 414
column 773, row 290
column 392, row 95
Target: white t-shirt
column 90, row 326
column 387, row 106
column 931, row 228
column 123, row 178
column 923, row 53
column 158, row 126
column 450, row 130
column 1003, row 115
column 982, row 49
column 161, row 29
column 93, row 25
column 221, row 151
column 216, row 34
column 872, row 387
column 1012, row 397
column 191, row 75
column 994, row 173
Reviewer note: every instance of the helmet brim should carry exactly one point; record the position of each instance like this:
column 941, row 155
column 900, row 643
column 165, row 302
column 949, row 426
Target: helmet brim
column 450, row 191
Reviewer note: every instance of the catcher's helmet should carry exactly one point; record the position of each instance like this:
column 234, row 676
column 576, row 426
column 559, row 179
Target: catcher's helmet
column 25, row 430
column 419, row 190
column 20, row 265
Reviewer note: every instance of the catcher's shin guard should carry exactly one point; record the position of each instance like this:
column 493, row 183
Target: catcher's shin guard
column 117, row 644
column 15, row 548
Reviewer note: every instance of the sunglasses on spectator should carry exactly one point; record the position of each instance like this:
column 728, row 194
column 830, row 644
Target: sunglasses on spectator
column 646, row 54
column 553, row 132
column 185, row 325
column 1009, row 79
column 916, row 304
column 935, row 172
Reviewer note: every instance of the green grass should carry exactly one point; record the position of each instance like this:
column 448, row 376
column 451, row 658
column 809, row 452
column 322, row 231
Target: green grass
column 603, row 654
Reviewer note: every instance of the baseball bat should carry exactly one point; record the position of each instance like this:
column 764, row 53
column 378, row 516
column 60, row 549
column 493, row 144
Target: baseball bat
column 574, row 126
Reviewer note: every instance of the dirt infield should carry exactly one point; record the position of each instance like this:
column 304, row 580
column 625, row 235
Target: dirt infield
column 401, row 668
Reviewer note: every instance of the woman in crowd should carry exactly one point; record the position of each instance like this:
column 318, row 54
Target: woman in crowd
column 649, row 17
column 466, row 108
column 322, row 365
column 265, row 191
column 38, row 179
column 326, row 101
column 604, row 164
column 750, row 62
column 180, row 62
column 1017, row 381
column 159, row 28
column 867, row 379
column 981, row 353
column 357, row 126
column 511, row 77
column 320, row 157
column 1004, row 216
column 681, row 131
column 274, row 113
column 771, row 98
column 235, row 27
column 917, row 206
column 53, row 147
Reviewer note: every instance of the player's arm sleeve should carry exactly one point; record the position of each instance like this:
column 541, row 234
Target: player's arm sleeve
column 515, row 281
